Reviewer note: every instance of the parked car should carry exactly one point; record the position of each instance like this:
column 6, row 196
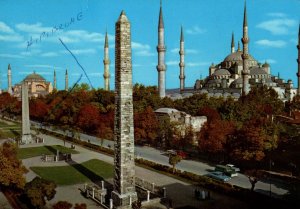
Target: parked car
column 218, row 175
column 233, row 167
column 226, row 170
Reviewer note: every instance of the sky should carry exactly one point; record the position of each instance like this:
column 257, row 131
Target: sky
column 31, row 30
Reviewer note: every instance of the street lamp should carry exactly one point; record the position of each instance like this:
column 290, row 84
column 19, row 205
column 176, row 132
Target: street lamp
column 271, row 163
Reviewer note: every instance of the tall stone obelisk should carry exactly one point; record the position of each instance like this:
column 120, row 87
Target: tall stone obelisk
column 124, row 180
column 26, row 136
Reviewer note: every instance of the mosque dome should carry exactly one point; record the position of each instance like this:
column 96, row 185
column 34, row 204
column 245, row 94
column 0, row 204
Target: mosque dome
column 34, row 77
column 237, row 57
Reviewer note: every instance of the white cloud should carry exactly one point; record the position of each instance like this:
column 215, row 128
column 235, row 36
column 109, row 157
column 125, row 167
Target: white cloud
column 31, row 52
column 268, row 43
column 175, row 50
column 144, row 53
column 75, row 36
column 33, row 28
column 276, row 14
column 11, row 38
column 136, row 45
column 43, row 66
column 11, row 56
column 172, row 62
column 49, row 54
column 95, row 74
column 83, row 51
column 5, row 28
column 191, row 51
column 195, row 30
column 196, row 64
column 270, row 61
column 279, row 26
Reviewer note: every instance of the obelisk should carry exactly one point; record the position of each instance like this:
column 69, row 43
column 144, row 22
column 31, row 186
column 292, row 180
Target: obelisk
column 124, row 193
column 26, row 136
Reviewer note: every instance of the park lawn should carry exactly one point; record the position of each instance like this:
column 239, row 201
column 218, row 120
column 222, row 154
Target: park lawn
column 9, row 131
column 92, row 170
column 29, row 152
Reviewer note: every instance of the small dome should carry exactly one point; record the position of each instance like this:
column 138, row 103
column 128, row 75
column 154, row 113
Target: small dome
column 266, row 65
column 221, row 72
column 236, row 83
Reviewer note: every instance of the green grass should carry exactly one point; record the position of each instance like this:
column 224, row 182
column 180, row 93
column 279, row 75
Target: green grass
column 29, row 152
column 92, row 170
column 9, row 131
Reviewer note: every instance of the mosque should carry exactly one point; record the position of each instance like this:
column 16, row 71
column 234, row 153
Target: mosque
column 233, row 77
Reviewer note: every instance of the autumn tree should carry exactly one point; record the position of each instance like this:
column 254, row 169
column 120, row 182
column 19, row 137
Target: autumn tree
column 39, row 190
column 12, row 170
column 145, row 125
column 173, row 160
column 62, row 205
column 89, row 118
column 80, row 206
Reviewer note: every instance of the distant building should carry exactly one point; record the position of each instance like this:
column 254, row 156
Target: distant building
column 37, row 85
column 184, row 121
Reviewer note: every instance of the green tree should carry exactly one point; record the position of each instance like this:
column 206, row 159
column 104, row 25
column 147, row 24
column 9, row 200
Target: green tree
column 12, row 170
column 173, row 160
column 39, row 190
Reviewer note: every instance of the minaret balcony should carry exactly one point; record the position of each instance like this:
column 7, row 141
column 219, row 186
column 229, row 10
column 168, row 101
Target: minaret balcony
column 106, row 62
column 161, row 68
column 181, row 64
column 161, row 48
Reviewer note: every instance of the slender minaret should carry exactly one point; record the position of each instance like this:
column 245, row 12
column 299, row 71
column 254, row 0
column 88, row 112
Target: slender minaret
column 181, row 63
column 161, row 49
column 124, row 179
column 9, row 85
column 239, row 47
column 26, row 135
column 245, row 55
column 298, row 60
column 106, row 63
column 54, row 80
column 66, row 81
column 232, row 43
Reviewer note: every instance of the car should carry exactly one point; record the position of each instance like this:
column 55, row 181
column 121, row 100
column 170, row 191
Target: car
column 226, row 170
column 233, row 167
column 218, row 175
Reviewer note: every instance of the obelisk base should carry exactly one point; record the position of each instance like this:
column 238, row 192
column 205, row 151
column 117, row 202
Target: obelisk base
column 123, row 201
column 26, row 139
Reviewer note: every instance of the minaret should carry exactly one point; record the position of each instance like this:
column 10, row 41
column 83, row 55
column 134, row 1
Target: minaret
column 298, row 60
column 54, row 80
column 245, row 55
column 106, row 63
column 124, row 179
column 9, row 85
column 66, row 81
column 232, row 43
column 181, row 63
column 239, row 47
column 161, row 49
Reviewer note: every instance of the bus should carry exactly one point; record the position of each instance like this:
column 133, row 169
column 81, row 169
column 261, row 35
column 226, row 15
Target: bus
column 226, row 170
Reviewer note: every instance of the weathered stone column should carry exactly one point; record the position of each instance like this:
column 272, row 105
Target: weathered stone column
column 26, row 136
column 124, row 179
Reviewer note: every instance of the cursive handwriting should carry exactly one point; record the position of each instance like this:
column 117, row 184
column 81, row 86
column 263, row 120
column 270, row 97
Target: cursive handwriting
column 62, row 26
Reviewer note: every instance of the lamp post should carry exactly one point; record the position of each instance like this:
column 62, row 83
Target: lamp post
column 270, row 165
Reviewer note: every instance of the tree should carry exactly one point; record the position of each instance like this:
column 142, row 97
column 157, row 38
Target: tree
column 12, row 170
column 173, row 160
column 254, row 176
column 80, row 206
column 89, row 118
column 38, row 190
column 62, row 205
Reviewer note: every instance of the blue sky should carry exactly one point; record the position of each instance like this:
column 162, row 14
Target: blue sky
column 207, row 24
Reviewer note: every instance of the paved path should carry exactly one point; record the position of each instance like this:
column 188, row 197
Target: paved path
column 182, row 193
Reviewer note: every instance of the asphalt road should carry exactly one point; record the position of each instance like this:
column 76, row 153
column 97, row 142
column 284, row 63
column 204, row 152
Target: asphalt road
column 152, row 154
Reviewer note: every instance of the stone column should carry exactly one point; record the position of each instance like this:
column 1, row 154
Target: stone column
column 26, row 136
column 124, row 180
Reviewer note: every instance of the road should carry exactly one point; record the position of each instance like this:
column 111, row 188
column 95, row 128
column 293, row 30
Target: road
column 196, row 167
